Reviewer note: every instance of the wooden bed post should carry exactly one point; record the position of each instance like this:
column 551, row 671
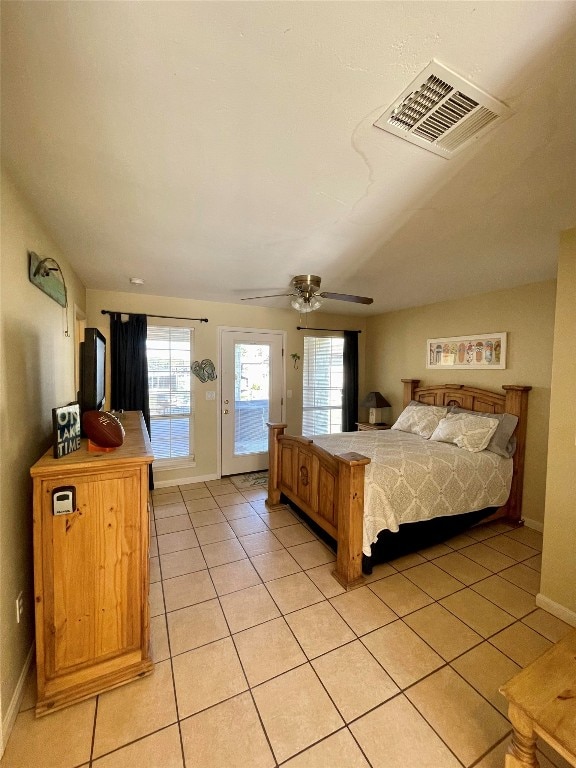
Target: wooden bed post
column 350, row 519
column 409, row 387
column 274, row 432
column 517, row 404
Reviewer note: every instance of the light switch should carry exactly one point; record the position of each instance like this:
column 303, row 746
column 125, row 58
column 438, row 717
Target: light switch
column 210, row 394
column 288, row 393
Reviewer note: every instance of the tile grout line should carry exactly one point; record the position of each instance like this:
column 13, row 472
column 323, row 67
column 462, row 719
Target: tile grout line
column 93, row 731
column 497, row 744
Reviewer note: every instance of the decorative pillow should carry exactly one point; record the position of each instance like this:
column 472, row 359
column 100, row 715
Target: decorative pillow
column 473, row 433
column 420, row 419
column 502, row 442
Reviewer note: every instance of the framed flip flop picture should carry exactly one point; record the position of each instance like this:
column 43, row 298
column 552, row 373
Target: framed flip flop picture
column 484, row 350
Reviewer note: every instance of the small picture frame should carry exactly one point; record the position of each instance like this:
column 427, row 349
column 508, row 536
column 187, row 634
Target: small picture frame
column 66, row 429
column 481, row 351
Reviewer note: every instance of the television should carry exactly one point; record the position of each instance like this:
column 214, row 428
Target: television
column 92, row 371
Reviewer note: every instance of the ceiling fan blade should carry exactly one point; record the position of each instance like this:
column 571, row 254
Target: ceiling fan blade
column 346, row 297
column 270, row 296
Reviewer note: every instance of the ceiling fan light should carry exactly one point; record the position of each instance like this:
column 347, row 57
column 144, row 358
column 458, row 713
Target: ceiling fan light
column 299, row 304
column 306, row 304
column 315, row 303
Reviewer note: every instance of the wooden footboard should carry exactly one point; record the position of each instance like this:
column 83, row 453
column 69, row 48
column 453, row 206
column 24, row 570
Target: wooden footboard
column 329, row 489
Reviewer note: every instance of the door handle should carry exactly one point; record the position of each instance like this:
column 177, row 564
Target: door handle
column 226, row 410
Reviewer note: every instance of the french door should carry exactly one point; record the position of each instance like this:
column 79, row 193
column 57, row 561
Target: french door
column 251, row 388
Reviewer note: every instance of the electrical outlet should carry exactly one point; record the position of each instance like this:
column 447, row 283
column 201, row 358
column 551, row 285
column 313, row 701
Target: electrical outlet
column 19, row 607
column 210, row 395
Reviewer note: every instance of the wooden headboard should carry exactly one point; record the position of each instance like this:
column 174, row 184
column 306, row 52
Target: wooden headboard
column 513, row 400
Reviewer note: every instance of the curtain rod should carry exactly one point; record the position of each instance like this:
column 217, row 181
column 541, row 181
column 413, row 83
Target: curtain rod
column 164, row 317
column 338, row 330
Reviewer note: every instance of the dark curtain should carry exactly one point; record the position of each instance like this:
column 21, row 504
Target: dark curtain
column 129, row 366
column 350, row 389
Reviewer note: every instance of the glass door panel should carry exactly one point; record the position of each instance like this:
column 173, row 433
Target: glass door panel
column 252, row 382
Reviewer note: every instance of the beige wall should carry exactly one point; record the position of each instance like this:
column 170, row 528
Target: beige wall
column 206, row 346
column 397, row 343
column 558, row 586
column 37, row 375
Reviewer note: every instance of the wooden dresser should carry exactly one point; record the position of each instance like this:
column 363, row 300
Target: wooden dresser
column 91, row 571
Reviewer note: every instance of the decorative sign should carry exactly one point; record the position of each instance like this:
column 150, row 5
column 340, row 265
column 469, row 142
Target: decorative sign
column 66, row 424
column 485, row 351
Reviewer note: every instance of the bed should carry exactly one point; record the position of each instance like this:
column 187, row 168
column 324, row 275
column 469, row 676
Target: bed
column 331, row 487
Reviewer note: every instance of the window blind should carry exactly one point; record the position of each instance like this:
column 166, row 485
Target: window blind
column 170, row 354
column 323, row 376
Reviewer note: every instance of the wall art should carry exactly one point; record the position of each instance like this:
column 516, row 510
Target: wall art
column 484, row 350
column 204, row 370
column 45, row 273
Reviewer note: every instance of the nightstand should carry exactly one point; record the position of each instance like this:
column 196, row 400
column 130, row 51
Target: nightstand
column 364, row 426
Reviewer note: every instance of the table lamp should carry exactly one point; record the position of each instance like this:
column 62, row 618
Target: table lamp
column 375, row 402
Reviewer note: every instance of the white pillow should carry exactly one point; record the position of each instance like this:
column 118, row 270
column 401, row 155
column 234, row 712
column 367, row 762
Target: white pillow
column 473, row 433
column 420, row 419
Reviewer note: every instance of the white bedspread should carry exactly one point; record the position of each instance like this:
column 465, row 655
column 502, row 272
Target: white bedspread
column 411, row 479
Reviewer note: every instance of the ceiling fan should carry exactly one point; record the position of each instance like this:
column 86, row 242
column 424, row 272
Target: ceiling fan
column 308, row 297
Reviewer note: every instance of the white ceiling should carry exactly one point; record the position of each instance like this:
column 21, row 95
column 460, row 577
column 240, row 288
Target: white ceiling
column 217, row 149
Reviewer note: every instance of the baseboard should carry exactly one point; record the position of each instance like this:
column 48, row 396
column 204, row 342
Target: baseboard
column 183, row 480
column 14, row 707
column 556, row 609
column 534, row 524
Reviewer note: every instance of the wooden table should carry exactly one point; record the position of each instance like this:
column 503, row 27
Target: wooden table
column 542, row 704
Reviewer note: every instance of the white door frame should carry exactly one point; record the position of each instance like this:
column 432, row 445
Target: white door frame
column 237, row 329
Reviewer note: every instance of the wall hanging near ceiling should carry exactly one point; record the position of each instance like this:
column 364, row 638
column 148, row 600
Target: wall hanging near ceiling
column 46, row 274
column 486, row 350
column 204, row 370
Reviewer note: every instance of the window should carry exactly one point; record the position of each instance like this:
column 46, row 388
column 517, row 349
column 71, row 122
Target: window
column 170, row 355
column 323, row 379
column 251, row 396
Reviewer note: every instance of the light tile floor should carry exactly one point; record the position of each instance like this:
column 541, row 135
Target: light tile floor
column 261, row 659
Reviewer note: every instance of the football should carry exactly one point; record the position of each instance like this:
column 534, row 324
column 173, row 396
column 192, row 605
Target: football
column 103, row 428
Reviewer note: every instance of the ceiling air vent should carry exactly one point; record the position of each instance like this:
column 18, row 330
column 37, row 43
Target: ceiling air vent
column 442, row 112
